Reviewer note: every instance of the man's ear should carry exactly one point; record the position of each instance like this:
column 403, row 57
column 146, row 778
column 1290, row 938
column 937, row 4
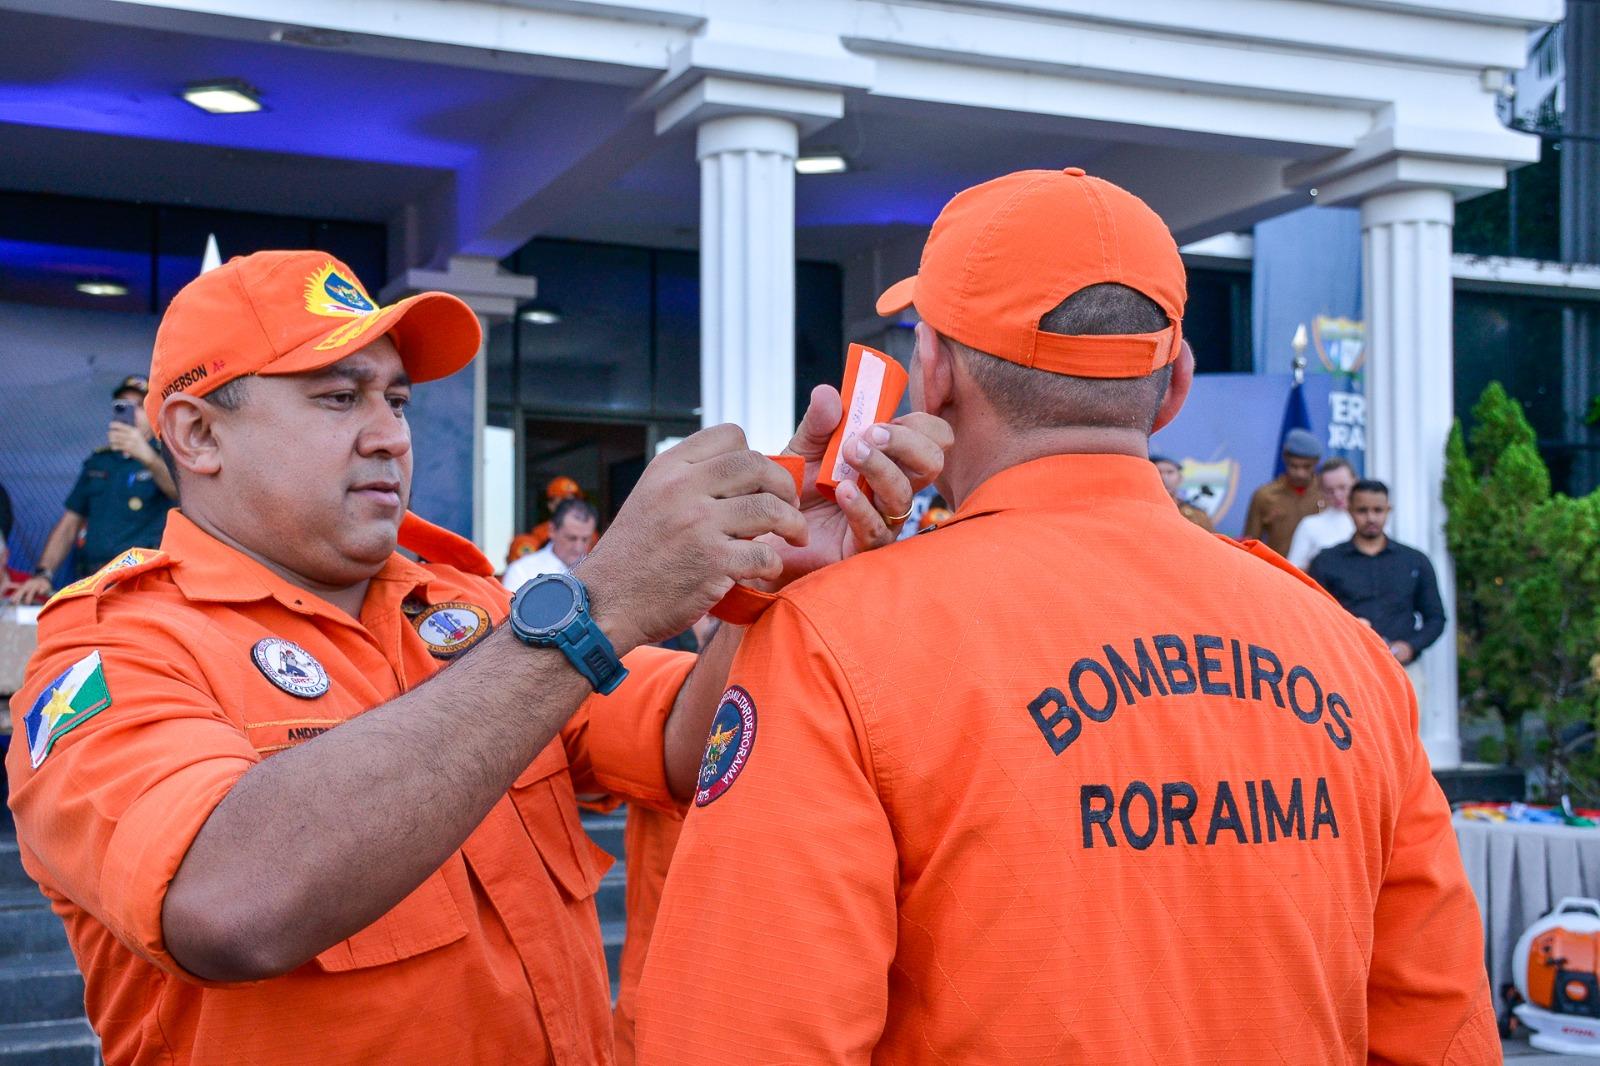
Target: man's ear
column 1177, row 387
column 934, row 368
column 187, row 434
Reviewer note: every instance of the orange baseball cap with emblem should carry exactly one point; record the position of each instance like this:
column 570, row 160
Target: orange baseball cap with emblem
column 1003, row 253
column 291, row 313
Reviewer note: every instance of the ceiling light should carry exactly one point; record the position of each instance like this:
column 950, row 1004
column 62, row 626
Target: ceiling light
column 227, row 97
column 96, row 287
column 541, row 316
column 821, row 163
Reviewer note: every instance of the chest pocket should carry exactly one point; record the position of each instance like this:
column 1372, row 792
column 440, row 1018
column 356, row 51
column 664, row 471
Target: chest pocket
column 548, row 808
column 428, row 918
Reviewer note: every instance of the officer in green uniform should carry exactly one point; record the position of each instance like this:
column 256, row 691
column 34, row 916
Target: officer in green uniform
column 120, row 500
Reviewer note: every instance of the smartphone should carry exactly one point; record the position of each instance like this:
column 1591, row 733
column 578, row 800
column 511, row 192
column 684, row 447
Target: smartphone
column 122, row 411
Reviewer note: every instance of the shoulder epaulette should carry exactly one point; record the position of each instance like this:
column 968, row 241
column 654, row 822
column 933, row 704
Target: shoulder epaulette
column 130, row 563
column 438, row 545
column 1272, row 558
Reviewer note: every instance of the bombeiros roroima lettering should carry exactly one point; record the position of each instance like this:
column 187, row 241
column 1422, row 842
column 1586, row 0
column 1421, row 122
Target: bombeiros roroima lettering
column 1170, row 672
column 1272, row 811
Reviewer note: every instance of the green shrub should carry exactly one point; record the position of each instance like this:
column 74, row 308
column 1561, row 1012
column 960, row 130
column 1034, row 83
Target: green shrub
column 1527, row 596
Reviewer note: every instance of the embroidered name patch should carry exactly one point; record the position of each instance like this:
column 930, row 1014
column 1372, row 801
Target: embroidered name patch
column 448, row 629
column 65, row 704
column 733, row 735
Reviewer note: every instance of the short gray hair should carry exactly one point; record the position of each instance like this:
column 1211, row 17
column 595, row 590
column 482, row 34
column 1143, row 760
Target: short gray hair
column 1028, row 398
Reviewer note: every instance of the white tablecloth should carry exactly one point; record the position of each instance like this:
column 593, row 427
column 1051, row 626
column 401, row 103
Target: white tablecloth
column 1519, row 872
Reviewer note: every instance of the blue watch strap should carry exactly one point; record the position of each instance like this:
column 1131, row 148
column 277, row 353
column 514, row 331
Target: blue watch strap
column 586, row 646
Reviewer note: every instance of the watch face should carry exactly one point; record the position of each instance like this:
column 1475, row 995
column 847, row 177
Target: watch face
column 547, row 605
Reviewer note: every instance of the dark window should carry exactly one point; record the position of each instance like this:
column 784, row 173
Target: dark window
column 52, row 248
column 1517, row 341
column 51, row 245
column 595, row 353
column 1216, row 320
column 1521, row 220
column 677, row 333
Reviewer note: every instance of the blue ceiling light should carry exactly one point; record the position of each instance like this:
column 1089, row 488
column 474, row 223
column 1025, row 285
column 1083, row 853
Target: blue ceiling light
column 227, row 96
column 102, row 287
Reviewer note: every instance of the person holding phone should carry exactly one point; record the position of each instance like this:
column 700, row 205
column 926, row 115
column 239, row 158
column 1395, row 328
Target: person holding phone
column 120, row 500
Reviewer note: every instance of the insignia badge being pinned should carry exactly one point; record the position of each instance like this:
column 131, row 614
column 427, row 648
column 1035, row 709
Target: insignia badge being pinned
column 290, row 667
column 733, row 735
column 448, row 629
column 66, row 703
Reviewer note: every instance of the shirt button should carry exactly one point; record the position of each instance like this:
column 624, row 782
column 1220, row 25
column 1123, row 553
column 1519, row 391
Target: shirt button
column 1073, row 172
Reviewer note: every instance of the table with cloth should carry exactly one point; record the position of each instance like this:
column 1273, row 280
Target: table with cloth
column 1519, row 871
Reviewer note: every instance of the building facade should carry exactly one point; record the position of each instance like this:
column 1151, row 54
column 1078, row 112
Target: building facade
column 554, row 161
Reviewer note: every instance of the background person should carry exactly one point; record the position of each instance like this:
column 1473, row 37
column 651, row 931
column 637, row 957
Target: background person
column 573, row 528
column 1390, row 585
column 1277, row 507
column 1331, row 525
column 1060, row 781
column 290, row 790
column 1171, row 472
column 120, row 500
column 555, row 490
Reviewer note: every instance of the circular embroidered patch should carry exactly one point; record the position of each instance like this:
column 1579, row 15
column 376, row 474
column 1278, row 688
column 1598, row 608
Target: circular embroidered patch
column 448, row 629
column 290, row 667
column 733, row 735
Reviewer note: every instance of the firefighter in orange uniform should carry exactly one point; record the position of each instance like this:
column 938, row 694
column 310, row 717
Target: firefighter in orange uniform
column 269, row 841
column 1116, row 791
column 648, row 841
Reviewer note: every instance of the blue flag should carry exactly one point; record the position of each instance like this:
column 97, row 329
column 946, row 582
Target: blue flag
column 1295, row 416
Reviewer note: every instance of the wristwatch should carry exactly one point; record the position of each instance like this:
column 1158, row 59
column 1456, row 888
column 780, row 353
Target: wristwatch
column 552, row 611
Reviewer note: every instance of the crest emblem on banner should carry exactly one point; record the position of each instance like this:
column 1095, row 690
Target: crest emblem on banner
column 1210, row 486
column 1341, row 343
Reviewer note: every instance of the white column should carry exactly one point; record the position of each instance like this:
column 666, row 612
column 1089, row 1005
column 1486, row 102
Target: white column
column 747, row 275
column 1406, row 239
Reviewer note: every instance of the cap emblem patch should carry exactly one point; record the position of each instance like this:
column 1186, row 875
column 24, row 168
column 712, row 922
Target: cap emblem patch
column 332, row 293
column 335, row 294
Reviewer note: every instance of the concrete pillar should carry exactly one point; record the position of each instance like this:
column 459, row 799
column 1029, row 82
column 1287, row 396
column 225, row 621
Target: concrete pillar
column 1406, row 240
column 747, row 274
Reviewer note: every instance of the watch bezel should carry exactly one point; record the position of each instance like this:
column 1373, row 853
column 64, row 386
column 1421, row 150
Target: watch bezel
column 574, row 612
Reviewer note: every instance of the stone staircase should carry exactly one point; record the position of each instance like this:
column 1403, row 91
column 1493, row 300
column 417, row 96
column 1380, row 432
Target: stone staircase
column 41, row 992
column 611, row 900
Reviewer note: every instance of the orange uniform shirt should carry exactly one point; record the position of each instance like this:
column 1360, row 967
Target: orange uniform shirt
column 495, row 958
column 1112, row 791
column 648, row 842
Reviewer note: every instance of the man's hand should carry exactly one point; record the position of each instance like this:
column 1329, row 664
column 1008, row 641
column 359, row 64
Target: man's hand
column 687, row 534
column 897, row 460
column 34, row 590
column 132, row 444
column 1403, row 651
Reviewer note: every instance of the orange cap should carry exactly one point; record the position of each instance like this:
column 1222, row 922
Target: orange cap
column 1003, row 253
column 294, row 312
column 561, row 488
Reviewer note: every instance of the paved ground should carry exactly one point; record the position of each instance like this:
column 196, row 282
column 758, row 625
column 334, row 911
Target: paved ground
column 1518, row 1053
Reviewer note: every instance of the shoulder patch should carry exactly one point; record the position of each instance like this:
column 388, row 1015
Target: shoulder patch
column 733, row 736
column 66, row 703
column 448, row 629
column 131, row 562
